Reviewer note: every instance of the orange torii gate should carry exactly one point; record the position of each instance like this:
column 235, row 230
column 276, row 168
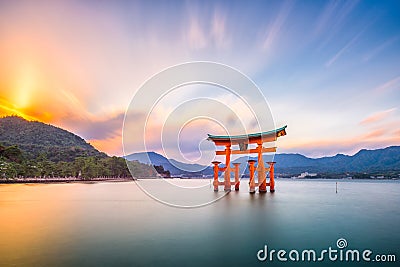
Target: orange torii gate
column 243, row 141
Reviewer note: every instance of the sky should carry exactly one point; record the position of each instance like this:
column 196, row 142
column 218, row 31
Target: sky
column 330, row 70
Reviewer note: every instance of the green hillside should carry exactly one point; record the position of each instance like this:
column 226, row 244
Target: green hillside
column 39, row 139
column 36, row 149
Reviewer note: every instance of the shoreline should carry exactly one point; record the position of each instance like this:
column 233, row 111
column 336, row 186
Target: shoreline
column 120, row 180
column 63, row 180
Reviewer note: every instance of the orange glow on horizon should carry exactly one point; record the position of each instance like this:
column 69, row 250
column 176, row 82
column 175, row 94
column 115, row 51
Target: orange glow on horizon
column 111, row 146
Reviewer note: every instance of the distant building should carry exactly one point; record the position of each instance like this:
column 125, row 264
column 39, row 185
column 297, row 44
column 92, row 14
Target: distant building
column 306, row 174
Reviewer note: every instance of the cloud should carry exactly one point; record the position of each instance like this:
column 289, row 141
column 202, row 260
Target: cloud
column 393, row 84
column 341, row 51
column 324, row 20
column 7, row 108
column 332, row 19
column 112, row 145
column 273, row 31
column 346, row 47
column 374, row 52
column 374, row 134
column 196, row 36
column 96, row 127
column 206, row 30
column 219, row 31
column 347, row 144
column 378, row 116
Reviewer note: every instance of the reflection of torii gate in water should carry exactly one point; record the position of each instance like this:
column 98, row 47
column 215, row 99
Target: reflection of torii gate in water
column 243, row 141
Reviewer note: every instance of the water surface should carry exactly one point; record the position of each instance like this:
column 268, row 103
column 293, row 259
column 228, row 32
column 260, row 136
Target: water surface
column 116, row 224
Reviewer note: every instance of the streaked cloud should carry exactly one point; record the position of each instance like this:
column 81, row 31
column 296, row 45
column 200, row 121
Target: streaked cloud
column 326, row 17
column 393, row 84
column 347, row 46
column 380, row 48
column 342, row 50
column 332, row 20
column 275, row 28
column 219, row 31
column 378, row 116
column 96, row 127
column 374, row 134
column 196, row 36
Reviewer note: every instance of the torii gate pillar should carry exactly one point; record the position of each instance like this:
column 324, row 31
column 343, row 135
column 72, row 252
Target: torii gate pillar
column 271, row 176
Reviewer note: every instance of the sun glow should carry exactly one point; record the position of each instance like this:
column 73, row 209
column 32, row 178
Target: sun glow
column 18, row 91
column 24, row 86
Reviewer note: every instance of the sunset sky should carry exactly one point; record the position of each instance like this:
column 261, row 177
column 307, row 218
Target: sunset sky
column 330, row 70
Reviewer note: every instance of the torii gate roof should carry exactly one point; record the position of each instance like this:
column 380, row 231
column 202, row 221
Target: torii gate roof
column 268, row 136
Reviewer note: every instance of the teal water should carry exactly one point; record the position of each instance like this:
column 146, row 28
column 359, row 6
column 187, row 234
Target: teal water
column 116, row 224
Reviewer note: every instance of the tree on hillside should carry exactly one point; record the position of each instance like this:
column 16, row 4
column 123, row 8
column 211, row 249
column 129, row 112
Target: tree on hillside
column 164, row 173
column 12, row 153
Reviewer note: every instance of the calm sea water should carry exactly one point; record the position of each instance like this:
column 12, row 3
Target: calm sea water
column 116, row 224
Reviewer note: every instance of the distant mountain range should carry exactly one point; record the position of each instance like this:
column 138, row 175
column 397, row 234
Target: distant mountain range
column 173, row 166
column 386, row 159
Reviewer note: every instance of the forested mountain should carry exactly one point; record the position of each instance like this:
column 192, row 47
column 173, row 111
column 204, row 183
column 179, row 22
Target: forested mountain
column 36, row 139
column 36, row 149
